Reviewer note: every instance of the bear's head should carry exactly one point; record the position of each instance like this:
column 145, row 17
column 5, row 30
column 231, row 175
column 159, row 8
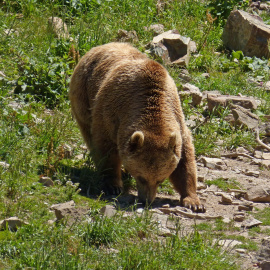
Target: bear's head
column 150, row 159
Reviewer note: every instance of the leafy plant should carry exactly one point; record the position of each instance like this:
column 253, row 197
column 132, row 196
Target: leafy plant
column 45, row 82
column 222, row 8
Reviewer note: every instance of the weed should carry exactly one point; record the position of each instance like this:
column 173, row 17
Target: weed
column 47, row 82
column 224, row 184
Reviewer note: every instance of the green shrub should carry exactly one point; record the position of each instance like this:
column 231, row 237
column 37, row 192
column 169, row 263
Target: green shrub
column 47, row 82
column 222, row 8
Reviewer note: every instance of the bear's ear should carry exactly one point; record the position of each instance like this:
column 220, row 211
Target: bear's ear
column 173, row 140
column 136, row 140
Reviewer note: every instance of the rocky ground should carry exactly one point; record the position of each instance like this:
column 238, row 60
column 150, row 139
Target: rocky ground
column 235, row 206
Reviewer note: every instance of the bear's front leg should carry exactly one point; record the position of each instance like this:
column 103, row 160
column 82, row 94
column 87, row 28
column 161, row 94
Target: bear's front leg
column 184, row 177
column 108, row 163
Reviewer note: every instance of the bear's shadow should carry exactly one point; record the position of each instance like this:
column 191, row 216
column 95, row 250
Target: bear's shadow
column 89, row 185
column 130, row 202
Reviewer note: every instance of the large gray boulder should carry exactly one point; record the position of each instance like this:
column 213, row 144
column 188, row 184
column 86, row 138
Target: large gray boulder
column 225, row 100
column 247, row 33
column 172, row 48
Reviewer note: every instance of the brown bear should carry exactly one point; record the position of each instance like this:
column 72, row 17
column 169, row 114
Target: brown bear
column 129, row 113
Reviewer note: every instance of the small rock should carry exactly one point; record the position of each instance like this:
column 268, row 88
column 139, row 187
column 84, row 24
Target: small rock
column 226, row 220
column 83, row 147
column 229, row 118
column 213, row 163
column 264, row 6
column 165, row 232
column 12, row 223
column 251, row 173
column 265, row 163
column 11, row 31
column 193, row 47
column 267, row 86
column 156, row 28
column 258, row 154
column 264, row 129
column 200, row 186
column 52, row 221
column 156, row 211
column 228, row 243
column 108, row 211
column 139, row 210
column 79, row 157
column 63, row 205
column 226, row 198
column 2, row 74
column 46, row 181
column 251, row 222
column 112, row 251
column 241, row 250
column 241, row 150
column 255, row 161
column 200, row 178
column 4, row 165
column 165, row 206
column 213, row 92
column 225, row 100
column 68, row 211
column 266, row 155
column 58, row 27
column 246, row 206
column 205, row 75
column 184, row 76
column 258, row 194
column 67, row 151
column 244, row 117
column 239, row 216
column 264, row 254
column 193, row 91
column 127, row 36
column 213, row 189
column 190, row 123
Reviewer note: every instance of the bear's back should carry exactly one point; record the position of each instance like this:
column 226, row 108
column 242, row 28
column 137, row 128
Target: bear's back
column 95, row 65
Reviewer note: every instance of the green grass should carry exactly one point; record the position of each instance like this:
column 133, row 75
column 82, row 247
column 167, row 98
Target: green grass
column 32, row 138
column 263, row 216
column 87, row 246
column 224, row 184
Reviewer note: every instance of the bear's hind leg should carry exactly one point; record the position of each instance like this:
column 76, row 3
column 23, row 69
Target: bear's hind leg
column 184, row 177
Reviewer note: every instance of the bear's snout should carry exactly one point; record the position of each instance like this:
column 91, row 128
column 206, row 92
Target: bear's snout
column 146, row 192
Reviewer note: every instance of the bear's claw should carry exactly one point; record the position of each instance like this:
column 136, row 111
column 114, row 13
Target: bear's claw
column 193, row 204
column 112, row 190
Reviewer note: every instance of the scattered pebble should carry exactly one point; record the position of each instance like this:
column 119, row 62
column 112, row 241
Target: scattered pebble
column 46, row 181
column 108, row 211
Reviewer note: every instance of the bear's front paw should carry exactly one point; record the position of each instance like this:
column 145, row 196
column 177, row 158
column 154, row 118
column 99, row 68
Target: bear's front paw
column 112, row 190
column 193, row 203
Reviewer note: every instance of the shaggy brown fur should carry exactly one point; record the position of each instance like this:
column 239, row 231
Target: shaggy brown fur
column 128, row 110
